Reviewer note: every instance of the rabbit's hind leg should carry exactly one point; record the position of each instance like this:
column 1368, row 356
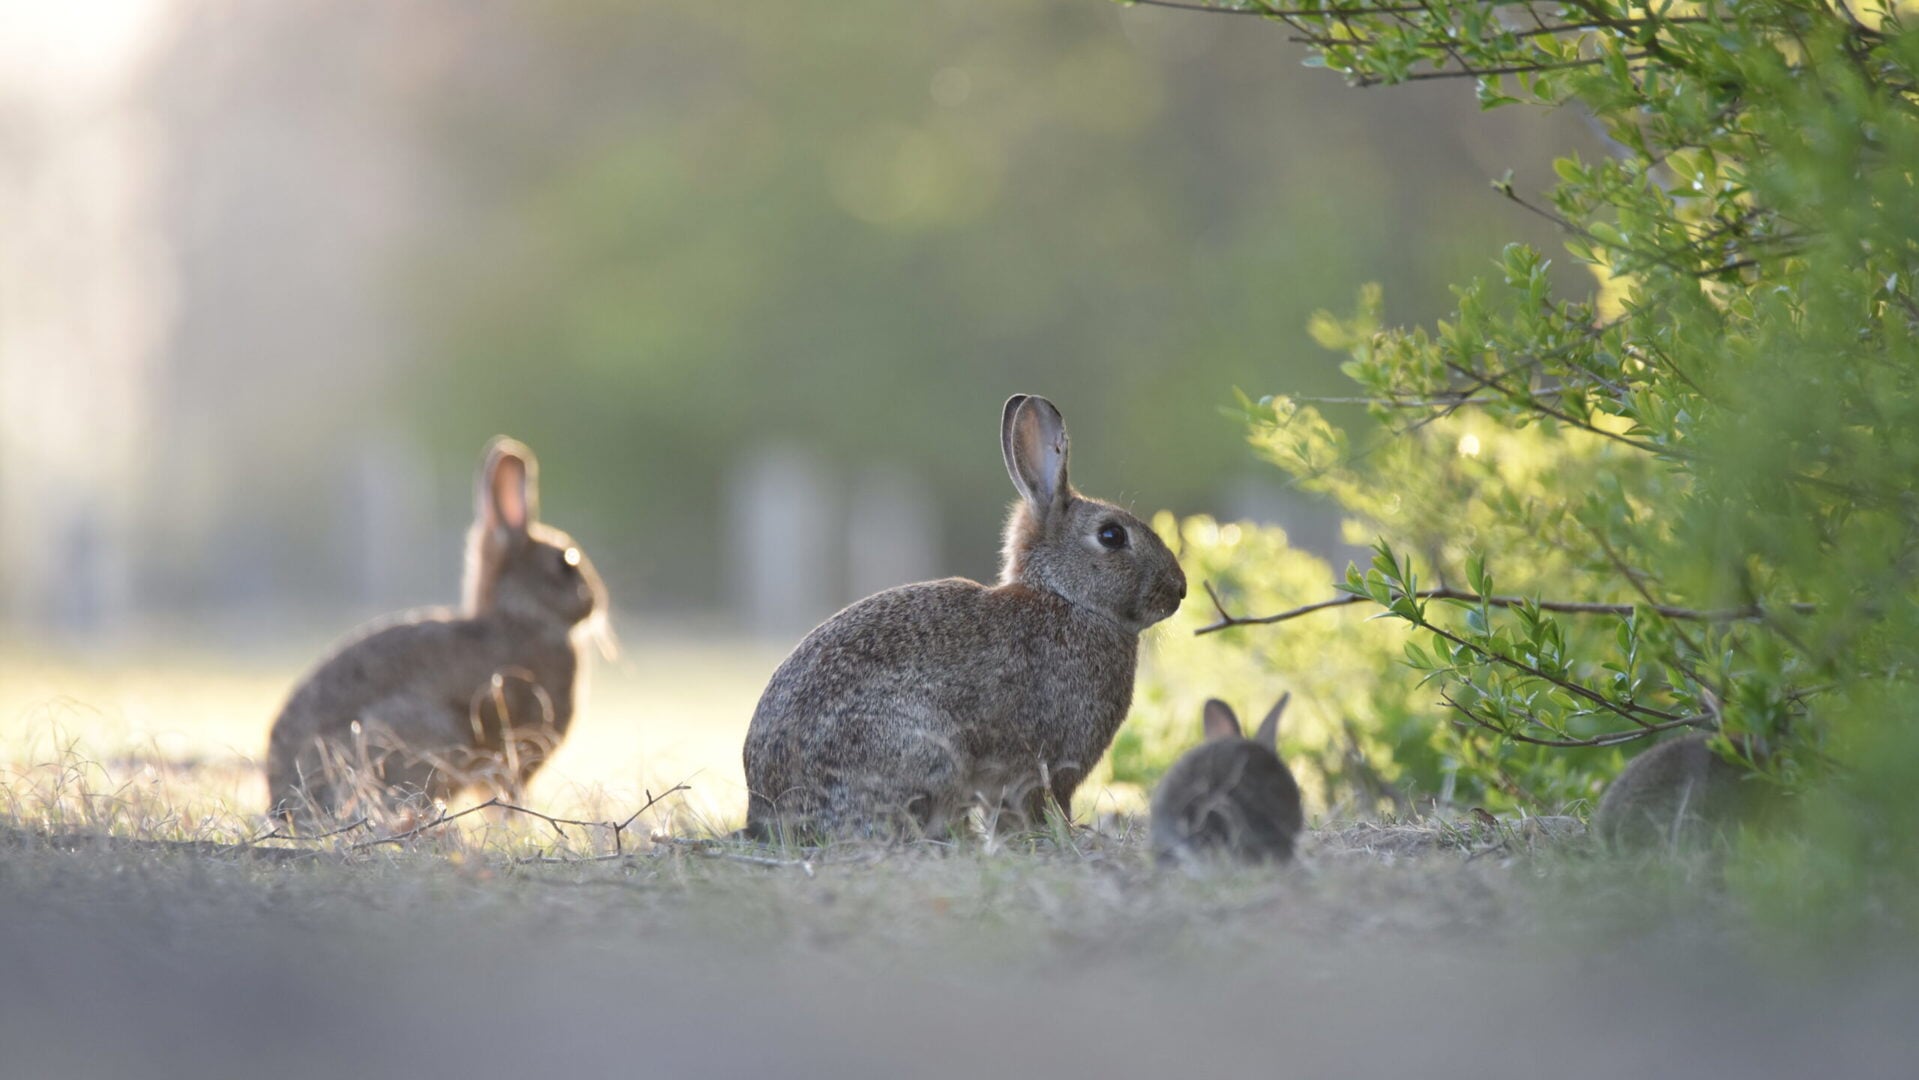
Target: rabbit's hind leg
column 410, row 753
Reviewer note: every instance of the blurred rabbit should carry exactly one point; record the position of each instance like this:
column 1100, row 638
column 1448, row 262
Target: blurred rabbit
column 1229, row 795
column 1675, row 793
column 915, row 704
column 422, row 705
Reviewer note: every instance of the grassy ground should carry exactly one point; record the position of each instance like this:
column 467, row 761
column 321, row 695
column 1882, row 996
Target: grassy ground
column 139, row 938
column 188, row 731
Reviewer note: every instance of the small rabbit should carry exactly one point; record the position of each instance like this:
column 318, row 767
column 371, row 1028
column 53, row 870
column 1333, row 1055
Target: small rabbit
column 908, row 708
column 425, row 704
column 1229, row 795
column 1672, row 794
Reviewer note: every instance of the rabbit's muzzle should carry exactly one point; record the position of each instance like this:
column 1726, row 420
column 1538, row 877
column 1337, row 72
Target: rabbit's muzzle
column 1163, row 595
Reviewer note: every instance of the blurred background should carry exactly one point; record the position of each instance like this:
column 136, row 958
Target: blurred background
column 752, row 278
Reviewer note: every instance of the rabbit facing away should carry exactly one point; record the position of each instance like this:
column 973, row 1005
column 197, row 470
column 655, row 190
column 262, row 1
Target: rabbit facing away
column 910, row 707
column 1675, row 793
column 1229, row 796
column 423, row 705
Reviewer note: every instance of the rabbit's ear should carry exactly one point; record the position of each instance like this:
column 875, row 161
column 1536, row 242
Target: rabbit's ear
column 1006, row 432
column 509, row 498
column 1269, row 728
column 1033, row 438
column 1218, row 720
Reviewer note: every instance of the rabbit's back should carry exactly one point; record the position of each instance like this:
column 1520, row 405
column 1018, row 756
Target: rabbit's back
column 426, row 682
column 434, row 655
column 912, row 700
column 1676, row 791
column 1231, row 797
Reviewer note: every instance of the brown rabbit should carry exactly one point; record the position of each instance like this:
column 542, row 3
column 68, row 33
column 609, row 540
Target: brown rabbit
column 914, row 704
column 1676, row 793
column 1229, row 795
column 426, row 704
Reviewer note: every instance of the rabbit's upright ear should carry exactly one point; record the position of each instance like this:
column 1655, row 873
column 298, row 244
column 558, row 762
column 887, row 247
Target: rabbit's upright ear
column 1006, row 432
column 509, row 497
column 1033, row 438
column 1269, row 728
column 1218, row 720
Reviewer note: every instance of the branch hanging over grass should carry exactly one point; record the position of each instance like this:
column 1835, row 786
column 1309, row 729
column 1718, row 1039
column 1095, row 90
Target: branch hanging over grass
column 279, row 832
column 1227, row 620
column 618, row 827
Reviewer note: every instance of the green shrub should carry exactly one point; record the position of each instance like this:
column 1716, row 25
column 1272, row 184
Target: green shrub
column 1718, row 441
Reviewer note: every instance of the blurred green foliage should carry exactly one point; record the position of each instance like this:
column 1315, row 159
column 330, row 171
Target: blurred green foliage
column 687, row 231
column 1721, row 435
column 1358, row 735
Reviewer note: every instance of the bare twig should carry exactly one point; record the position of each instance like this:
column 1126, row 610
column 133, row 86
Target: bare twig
column 1277, row 12
column 1227, row 620
column 618, row 827
column 279, row 833
column 1630, row 711
column 442, row 818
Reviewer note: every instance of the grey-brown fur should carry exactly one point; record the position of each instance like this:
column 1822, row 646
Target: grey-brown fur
column 1678, row 792
column 426, row 704
column 1229, row 796
column 914, row 704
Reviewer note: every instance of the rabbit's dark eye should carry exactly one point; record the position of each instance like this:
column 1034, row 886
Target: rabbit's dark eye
column 1111, row 536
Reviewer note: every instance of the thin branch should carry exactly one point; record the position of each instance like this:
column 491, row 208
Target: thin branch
column 618, row 827
column 1228, row 620
column 1628, row 711
column 1528, row 400
column 1658, row 255
column 1442, row 401
column 1592, row 334
column 1451, row 46
column 1611, row 738
column 1268, row 12
column 279, row 833
column 1506, row 69
column 1638, row 582
column 442, row 818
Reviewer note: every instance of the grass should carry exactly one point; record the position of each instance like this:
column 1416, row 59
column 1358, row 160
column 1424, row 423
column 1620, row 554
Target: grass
column 145, row 935
column 186, row 733
column 163, row 750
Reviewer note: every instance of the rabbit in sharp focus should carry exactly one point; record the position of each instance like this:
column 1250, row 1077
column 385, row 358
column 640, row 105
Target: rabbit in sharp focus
column 1229, row 795
column 426, row 704
column 909, row 707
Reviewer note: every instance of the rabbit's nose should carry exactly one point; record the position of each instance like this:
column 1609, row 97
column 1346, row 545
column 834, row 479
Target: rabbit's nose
column 1182, row 588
